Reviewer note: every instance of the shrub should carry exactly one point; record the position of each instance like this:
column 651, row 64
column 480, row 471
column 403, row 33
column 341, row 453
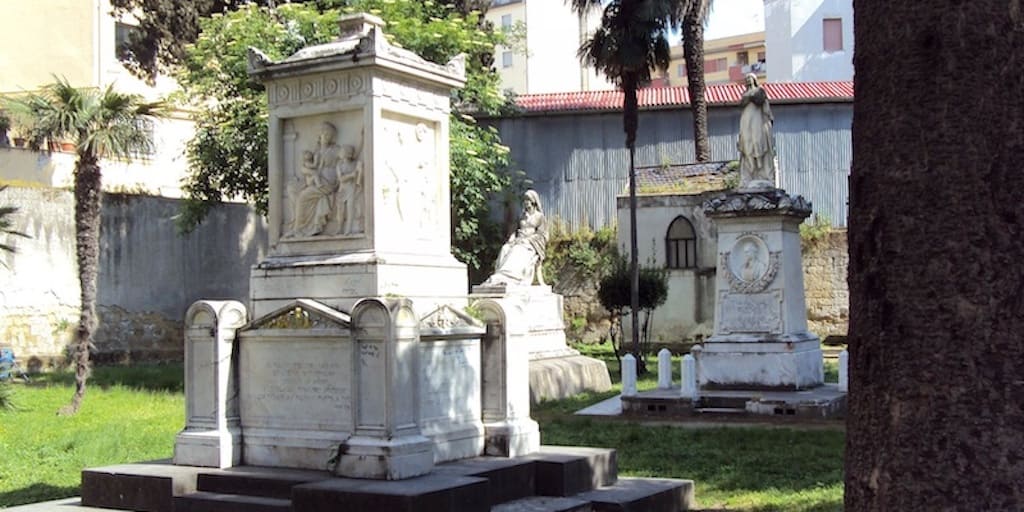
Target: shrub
column 579, row 255
column 614, row 294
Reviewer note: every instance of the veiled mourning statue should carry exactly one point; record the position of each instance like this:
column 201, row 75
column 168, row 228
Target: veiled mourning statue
column 520, row 259
column 756, row 144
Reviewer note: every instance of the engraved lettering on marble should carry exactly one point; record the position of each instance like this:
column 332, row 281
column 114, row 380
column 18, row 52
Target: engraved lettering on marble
column 751, row 266
column 371, row 379
column 298, row 384
column 750, row 313
column 447, row 366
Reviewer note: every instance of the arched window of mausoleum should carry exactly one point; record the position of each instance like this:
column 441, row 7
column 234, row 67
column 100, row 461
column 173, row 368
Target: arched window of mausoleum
column 680, row 244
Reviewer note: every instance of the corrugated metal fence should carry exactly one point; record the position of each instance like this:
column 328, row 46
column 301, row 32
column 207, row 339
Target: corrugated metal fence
column 579, row 164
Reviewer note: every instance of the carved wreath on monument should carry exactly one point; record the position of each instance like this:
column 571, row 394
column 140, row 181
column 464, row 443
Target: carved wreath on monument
column 751, row 266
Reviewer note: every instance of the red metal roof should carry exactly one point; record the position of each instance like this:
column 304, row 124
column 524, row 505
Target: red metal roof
column 664, row 97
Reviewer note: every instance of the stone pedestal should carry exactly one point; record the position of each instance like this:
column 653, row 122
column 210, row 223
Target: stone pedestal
column 510, row 432
column 387, row 442
column 212, row 434
column 761, row 339
column 359, row 202
column 556, row 371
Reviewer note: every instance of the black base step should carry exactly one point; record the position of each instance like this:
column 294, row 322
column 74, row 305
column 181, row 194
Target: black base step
column 217, row 502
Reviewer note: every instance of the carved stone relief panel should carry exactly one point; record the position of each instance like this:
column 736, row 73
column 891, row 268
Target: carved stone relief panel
column 751, row 267
column 318, row 88
column 411, row 190
column 323, row 176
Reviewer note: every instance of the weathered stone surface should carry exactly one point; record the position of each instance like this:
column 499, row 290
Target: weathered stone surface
column 827, row 296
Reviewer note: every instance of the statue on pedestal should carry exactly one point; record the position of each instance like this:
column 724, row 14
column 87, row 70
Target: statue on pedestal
column 756, row 144
column 522, row 256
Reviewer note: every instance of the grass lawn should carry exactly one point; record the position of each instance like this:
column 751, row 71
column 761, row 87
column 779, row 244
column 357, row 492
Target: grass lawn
column 42, row 454
column 133, row 414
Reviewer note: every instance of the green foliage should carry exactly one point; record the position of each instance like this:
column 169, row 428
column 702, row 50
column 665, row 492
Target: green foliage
column 163, row 32
column 228, row 155
column 615, row 287
column 815, row 230
column 614, row 294
column 476, row 155
column 102, row 123
column 7, row 224
column 580, row 255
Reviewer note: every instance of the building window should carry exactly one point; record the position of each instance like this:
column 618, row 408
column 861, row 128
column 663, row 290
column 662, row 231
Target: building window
column 742, row 58
column 149, row 128
column 123, row 33
column 681, row 70
column 832, row 29
column 506, row 21
column 680, row 244
column 716, row 65
column 760, row 56
column 506, row 59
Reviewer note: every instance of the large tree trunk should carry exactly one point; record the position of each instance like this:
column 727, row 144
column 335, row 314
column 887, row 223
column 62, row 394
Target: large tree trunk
column 87, row 249
column 936, row 403
column 693, row 53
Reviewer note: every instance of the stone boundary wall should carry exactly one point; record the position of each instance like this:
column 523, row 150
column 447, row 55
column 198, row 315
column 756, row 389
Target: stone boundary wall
column 149, row 274
column 827, row 295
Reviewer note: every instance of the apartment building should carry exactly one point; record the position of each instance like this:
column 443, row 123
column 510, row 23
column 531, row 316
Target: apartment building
column 78, row 40
column 543, row 59
column 727, row 59
column 809, row 40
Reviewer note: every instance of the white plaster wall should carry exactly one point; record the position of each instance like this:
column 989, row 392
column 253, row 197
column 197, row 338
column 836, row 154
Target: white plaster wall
column 794, row 40
column 552, row 41
column 689, row 308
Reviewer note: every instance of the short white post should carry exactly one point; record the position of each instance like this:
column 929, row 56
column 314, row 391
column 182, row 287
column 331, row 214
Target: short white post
column 844, row 371
column 664, row 369
column 628, row 375
column 688, row 374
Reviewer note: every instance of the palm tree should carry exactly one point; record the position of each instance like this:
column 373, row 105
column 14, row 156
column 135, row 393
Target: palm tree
column 934, row 413
column 101, row 123
column 7, row 225
column 631, row 41
column 695, row 15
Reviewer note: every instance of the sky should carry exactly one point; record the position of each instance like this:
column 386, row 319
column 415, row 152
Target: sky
column 732, row 17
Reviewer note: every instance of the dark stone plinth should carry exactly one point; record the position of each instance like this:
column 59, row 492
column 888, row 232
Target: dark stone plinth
column 642, row 495
column 145, row 487
column 216, row 502
column 258, row 481
column 428, row 493
column 566, row 470
column 509, row 479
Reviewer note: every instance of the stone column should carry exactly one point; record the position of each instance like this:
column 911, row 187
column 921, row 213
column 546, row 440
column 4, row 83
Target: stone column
column 387, row 442
column 509, row 430
column 211, row 437
column 760, row 339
